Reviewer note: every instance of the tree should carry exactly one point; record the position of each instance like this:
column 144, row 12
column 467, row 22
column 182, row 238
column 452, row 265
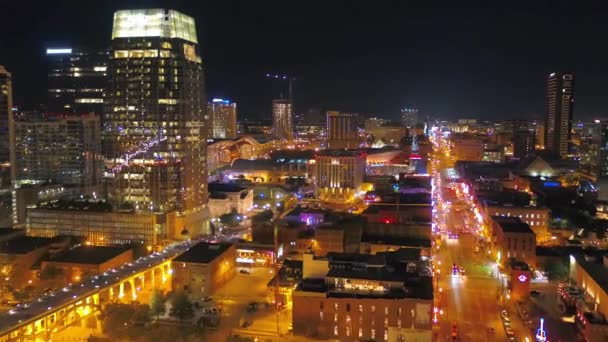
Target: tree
column 157, row 303
column 556, row 270
column 181, row 307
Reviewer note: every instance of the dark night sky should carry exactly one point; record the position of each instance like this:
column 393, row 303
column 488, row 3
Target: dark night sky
column 370, row 57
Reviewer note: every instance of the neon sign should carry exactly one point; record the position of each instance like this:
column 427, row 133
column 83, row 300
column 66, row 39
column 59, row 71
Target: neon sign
column 522, row 278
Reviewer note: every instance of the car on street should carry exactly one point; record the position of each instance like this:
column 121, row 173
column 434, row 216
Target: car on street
column 504, row 314
column 244, row 272
column 454, row 332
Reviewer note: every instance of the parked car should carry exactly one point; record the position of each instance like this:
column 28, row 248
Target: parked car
column 244, row 272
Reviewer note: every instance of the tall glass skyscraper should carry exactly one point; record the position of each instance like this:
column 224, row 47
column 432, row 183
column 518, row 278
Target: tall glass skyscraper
column 77, row 80
column 222, row 114
column 154, row 123
column 558, row 124
column 282, row 119
column 6, row 107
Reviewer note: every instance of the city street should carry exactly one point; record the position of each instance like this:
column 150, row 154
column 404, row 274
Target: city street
column 470, row 300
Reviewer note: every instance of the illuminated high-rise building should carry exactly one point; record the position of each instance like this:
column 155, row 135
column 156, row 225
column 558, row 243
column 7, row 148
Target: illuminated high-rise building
column 62, row 149
column 558, row 124
column 409, row 117
column 77, row 80
column 222, row 114
column 154, row 124
column 282, row 119
column 341, row 130
column 6, row 118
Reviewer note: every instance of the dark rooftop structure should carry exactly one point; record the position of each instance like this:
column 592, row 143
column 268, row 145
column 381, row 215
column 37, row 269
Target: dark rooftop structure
column 24, row 244
column 90, row 254
column 341, row 153
column 203, row 252
column 506, row 197
column 512, row 224
column 78, row 204
column 397, row 241
column 257, row 164
column 223, row 187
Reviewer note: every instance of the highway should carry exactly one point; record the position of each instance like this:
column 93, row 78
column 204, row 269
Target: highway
column 54, row 301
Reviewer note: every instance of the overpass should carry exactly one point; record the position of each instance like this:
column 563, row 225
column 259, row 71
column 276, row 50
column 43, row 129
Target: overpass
column 39, row 319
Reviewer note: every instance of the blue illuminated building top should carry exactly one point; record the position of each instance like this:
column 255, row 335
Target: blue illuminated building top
column 221, row 101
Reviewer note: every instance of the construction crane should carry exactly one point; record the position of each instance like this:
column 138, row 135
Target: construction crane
column 289, row 80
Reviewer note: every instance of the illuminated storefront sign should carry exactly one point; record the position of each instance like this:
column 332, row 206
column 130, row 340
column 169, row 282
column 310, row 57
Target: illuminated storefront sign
column 522, row 278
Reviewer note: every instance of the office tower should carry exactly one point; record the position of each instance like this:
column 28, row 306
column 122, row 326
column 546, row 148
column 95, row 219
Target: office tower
column 540, row 135
column 341, row 130
column 373, row 123
column 59, row 149
column 560, row 92
column 339, row 175
column 154, row 125
column 6, row 118
column 524, row 142
column 282, row 119
column 409, row 117
column 222, row 114
column 77, row 80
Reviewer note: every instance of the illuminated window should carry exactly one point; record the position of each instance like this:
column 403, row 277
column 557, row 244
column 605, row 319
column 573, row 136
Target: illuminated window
column 321, row 315
column 347, row 331
column 373, row 334
column 335, row 330
column 166, row 45
column 386, row 310
column 167, row 101
column 335, row 317
column 360, row 332
column 373, row 308
column 399, row 323
column 336, row 306
column 360, row 308
column 165, row 53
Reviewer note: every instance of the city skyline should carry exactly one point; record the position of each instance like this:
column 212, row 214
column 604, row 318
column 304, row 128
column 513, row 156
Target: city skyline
column 427, row 58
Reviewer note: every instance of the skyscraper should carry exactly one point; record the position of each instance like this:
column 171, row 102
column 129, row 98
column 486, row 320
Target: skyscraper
column 222, row 114
column 558, row 124
column 341, row 130
column 77, row 80
column 155, row 130
column 409, row 117
column 6, row 134
column 282, row 119
column 57, row 148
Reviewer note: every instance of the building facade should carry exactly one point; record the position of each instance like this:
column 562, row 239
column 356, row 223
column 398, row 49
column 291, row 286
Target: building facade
column 98, row 223
column 222, row 114
column 513, row 239
column 339, row 298
column 154, row 125
column 282, row 119
column 535, row 217
column 409, row 117
column 6, row 119
column 341, row 130
column 524, row 143
column 83, row 262
column 204, row 268
column 558, row 122
column 62, row 149
column 77, row 80
column 339, row 175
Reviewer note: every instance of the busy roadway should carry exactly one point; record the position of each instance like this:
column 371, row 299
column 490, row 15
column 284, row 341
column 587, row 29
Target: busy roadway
column 469, row 294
